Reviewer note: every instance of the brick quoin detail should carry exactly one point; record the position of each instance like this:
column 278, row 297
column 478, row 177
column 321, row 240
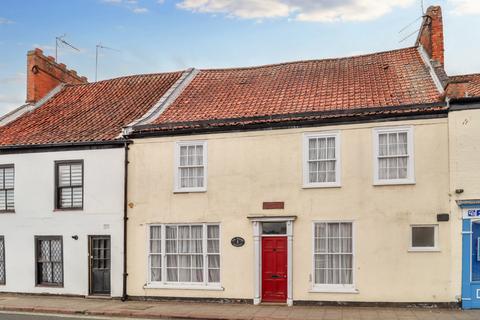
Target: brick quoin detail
column 431, row 34
column 44, row 74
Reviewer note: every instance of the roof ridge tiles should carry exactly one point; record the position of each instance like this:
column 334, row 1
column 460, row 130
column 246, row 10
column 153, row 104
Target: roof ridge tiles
column 132, row 76
column 308, row 60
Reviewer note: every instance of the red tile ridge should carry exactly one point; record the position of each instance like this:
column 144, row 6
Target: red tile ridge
column 309, row 60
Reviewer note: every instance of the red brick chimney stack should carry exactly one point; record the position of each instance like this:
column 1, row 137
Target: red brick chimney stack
column 44, row 74
column 431, row 34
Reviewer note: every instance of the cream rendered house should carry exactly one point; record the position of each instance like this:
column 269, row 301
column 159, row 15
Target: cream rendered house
column 318, row 181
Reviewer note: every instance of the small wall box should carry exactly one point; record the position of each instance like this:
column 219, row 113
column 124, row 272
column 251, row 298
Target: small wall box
column 443, row 217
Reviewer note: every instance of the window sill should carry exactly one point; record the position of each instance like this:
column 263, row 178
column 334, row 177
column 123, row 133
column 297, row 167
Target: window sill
column 394, row 182
column 49, row 286
column 424, row 250
column 68, row 210
column 182, row 287
column 7, row 212
column 334, row 290
column 321, row 186
column 189, row 191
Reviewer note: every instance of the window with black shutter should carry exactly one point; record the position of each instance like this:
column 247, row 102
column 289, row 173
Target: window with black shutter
column 7, row 186
column 49, row 255
column 69, row 184
column 2, row 260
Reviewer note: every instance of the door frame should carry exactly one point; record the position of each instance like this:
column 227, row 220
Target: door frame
column 90, row 268
column 257, row 242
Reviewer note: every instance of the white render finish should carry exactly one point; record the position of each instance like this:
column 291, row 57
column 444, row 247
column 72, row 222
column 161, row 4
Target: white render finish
column 35, row 216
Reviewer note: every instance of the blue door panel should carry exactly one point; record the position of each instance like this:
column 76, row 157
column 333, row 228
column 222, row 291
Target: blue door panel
column 470, row 265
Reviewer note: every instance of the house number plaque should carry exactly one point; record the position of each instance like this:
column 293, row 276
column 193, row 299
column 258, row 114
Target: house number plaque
column 237, row 242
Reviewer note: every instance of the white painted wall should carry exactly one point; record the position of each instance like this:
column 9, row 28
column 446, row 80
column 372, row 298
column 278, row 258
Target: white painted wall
column 35, row 215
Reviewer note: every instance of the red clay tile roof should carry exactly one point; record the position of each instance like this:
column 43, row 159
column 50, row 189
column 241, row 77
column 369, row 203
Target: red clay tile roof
column 472, row 88
column 89, row 112
column 330, row 87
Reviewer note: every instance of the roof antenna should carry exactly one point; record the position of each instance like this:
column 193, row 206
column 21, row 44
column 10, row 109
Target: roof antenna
column 59, row 41
column 97, row 49
column 412, row 23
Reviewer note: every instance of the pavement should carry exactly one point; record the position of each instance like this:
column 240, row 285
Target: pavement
column 37, row 316
column 91, row 308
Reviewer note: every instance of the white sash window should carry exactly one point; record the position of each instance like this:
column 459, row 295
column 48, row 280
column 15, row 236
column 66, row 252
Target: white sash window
column 321, row 160
column 191, row 166
column 393, row 151
column 333, row 256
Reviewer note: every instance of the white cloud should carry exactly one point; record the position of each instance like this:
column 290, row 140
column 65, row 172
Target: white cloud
column 139, row 10
column 303, row 10
column 5, row 21
column 465, row 7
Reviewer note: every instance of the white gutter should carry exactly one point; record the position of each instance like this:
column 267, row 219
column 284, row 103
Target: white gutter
column 165, row 101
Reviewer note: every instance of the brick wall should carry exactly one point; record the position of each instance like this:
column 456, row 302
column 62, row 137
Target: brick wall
column 431, row 34
column 44, row 74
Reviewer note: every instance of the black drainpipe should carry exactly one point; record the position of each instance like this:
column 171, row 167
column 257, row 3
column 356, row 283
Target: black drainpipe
column 125, row 219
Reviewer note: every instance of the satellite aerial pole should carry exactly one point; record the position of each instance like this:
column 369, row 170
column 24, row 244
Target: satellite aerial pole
column 97, row 50
column 59, row 41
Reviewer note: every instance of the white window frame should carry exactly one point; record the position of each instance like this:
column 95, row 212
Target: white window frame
column 423, row 249
column 177, row 187
column 410, row 179
column 164, row 284
column 334, row 288
column 338, row 157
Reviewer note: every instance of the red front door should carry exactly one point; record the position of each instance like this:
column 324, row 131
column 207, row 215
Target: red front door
column 274, row 269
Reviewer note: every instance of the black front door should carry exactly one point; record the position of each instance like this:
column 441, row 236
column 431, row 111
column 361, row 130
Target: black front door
column 99, row 250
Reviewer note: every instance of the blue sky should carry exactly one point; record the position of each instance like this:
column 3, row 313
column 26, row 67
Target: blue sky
column 156, row 36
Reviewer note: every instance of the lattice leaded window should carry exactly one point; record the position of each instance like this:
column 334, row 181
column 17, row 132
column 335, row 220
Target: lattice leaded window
column 2, row 260
column 185, row 254
column 49, row 261
column 333, row 255
column 7, row 186
column 69, row 185
column 191, row 166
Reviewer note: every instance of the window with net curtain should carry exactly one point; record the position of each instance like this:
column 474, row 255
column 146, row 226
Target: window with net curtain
column 191, row 163
column 322, row 160
column 394, row 155
column 185, row 254
column 333, row 254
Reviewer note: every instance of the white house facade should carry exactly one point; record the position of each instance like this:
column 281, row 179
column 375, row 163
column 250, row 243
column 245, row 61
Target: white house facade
column 62, row 222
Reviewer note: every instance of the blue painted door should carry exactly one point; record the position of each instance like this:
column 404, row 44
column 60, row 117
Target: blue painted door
column 471, row 265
